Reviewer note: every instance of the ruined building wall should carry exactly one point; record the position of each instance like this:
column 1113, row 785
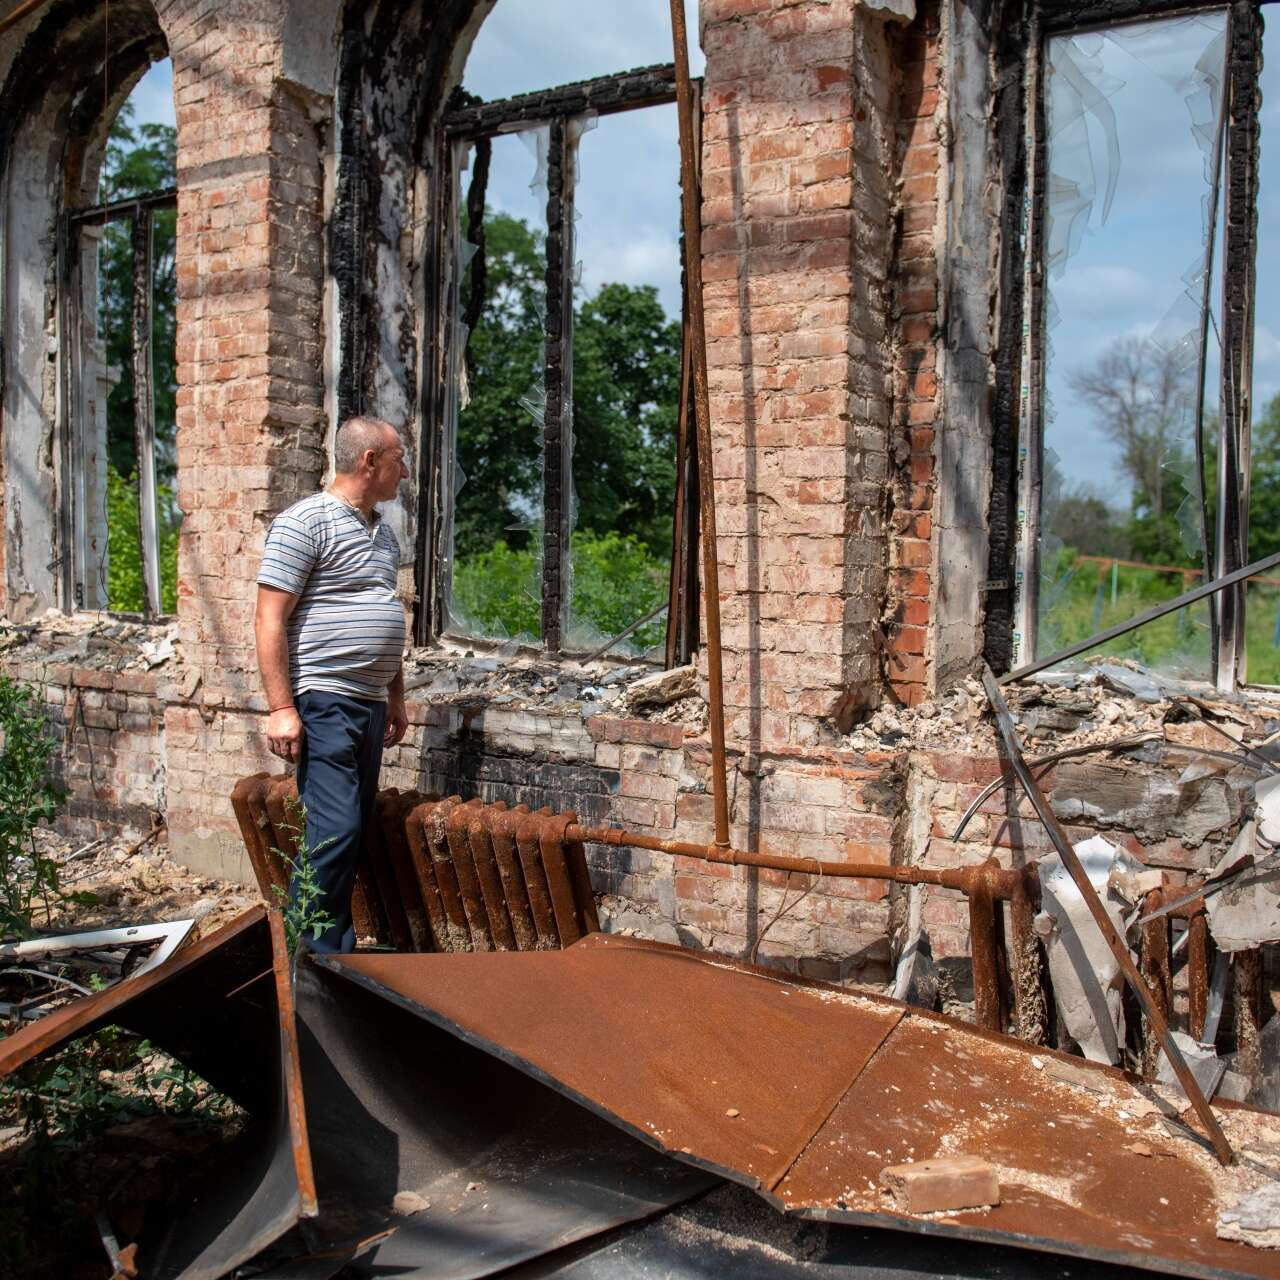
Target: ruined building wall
column 839, row 352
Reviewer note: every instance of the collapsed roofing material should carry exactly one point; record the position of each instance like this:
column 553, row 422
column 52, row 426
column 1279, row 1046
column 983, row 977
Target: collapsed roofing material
column 805, row 1092
column 222, row 1007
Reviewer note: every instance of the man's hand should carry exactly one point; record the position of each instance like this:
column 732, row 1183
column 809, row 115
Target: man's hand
column 285, row 733
column 397, row 722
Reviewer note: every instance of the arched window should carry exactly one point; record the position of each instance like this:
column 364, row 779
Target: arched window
column 119, row 301
column 563, row 508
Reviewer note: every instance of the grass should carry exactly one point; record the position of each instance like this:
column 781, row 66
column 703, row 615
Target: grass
column 1087, row 599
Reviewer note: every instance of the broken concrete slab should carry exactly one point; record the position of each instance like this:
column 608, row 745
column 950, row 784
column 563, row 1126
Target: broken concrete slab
column 1254, row 1219
column 1246, row 913
column 1086, row 978
column 662, row 687
column 1204, row 1062
column 932, row 1186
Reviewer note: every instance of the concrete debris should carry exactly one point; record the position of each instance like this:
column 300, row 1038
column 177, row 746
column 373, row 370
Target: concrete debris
column 1266, row 795
column 1138, row 683
column 1254, row 1219
column 663, row 687
column 1204, row 1062
column 1078, row 1076
column 406, row 1203
column 931, row 1186
column 1086, row 979
column 1247, row 913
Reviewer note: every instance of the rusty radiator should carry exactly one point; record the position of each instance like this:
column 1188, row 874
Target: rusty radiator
column 439, row 875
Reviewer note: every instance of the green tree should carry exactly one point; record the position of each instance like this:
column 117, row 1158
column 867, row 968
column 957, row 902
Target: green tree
column 626, row 390
column 139, row 158
column 1264, row 484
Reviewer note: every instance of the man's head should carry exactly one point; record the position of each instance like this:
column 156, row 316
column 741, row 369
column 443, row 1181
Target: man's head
column 369, row 452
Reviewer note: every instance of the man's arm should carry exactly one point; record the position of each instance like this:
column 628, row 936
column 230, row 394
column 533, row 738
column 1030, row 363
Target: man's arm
column 284, row 726
column 397, row 714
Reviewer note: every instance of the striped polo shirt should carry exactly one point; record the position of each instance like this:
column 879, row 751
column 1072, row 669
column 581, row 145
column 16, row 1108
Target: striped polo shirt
column 346, row 633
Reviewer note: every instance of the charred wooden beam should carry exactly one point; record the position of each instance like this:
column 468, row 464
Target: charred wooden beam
column 123, row 209
column 558, row 363
column 606, row 95
column 1239, row 243
column 144, row 420
column 1080, row 15
column 478, row 284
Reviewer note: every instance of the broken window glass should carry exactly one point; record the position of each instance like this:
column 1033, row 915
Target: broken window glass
column 1262, row 612
column 626, row 380
column 1114, row 518
column 497, row 384
column 122, row 375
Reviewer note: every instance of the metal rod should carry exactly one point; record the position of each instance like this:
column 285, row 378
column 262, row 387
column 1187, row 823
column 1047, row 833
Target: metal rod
column 690, row 198
column 1198, row 973
column 1089, row 894
column 117, row 210
column 677, row 585
column 992, row 787
column 27, row 6
column 625, row 633
column 1160, row 610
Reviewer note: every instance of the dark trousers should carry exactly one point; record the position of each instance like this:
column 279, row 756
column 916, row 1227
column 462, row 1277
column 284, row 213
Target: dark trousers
column 337, row 783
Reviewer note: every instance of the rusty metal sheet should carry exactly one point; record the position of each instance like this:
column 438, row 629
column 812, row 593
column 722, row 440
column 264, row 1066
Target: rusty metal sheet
column 805, row 1092
column 223, row 1007
column 664, row 1043
column 731, row 1232
column 508, row 1167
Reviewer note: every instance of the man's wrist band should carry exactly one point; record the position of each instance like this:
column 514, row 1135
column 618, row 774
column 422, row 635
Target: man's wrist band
column 284, row 706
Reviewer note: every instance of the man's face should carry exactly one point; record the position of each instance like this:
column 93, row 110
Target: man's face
column 390, row 466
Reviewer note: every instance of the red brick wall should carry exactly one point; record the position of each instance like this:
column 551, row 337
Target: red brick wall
column 916, row 400
column 796, row 213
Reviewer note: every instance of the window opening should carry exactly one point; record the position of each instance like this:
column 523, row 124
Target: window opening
column 563, row 369
column 626, row 390
column 1123, row 288
column 1262, row 602
column 121, row 300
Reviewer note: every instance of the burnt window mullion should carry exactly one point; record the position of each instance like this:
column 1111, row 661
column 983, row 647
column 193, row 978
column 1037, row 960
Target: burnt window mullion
column 1238, row 253
column 144, row 425
column 557, row 458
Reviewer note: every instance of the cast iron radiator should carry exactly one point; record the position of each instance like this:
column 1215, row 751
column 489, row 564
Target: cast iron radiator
column 438, row 875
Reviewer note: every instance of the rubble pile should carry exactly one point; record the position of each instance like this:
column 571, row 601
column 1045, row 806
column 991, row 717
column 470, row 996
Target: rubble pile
column 133, row 880
column 91, row 640
column 1105, row 700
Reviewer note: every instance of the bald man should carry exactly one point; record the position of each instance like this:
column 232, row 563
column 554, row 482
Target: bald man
column 330, row 632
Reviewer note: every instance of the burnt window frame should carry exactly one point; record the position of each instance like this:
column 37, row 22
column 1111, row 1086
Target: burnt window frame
column 1020, row 129
column 475, row 122
column 75, row 565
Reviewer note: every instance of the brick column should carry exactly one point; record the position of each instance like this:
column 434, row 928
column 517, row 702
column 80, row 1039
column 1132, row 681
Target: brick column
column 250, row 386
column 797, row 219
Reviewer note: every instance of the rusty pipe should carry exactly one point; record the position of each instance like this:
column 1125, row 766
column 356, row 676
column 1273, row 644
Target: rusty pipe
column 1002, row 883
column 1198, row 972
column 982, row 949
column 691, row 202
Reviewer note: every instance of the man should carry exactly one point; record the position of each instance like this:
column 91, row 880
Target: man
column 330, row 635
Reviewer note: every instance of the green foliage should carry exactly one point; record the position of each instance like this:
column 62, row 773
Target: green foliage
column 303, row 912
column 29, row 795
column 615, row 581
column 125, row 592
column 496, row 591
column 626, row 390
column 139, row 158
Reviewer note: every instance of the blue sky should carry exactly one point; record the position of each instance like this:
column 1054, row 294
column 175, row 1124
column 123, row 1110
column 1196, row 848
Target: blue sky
column 1122, row 280
column 1126, row 278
